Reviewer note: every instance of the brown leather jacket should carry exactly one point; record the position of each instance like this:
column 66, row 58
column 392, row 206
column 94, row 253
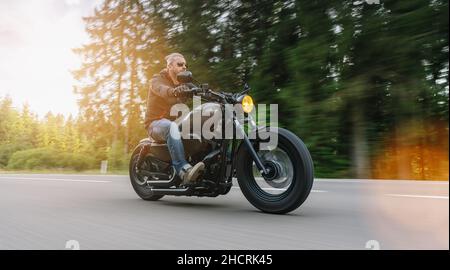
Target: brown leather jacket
column 160, row 98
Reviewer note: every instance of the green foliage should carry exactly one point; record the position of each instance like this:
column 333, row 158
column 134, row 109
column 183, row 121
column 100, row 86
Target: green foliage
column 6, row 150
column 49, row 158
column 53, row 142
column 117, row 159
column 345, row 75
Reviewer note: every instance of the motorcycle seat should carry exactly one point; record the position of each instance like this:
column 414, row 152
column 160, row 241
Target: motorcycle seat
column 152, row 140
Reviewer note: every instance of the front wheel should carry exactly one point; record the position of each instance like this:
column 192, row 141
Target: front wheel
column 291, row 178
column 138, row 182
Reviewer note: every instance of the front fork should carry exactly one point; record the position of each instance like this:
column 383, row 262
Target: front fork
column 250, row 148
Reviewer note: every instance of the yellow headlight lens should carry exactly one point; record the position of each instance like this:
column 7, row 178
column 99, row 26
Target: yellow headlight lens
column 247, row 104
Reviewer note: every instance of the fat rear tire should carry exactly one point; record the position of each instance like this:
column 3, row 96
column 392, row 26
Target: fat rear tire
column 142, row 191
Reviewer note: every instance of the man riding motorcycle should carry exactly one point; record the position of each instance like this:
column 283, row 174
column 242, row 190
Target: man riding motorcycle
column 275, row 179
column 164, row 92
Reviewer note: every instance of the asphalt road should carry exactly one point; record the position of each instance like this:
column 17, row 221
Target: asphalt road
column 103, row 212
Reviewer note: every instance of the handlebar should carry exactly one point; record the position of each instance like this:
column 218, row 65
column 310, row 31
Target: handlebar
column 209, row 94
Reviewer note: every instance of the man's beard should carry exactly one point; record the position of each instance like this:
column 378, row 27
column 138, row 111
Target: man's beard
column 173, row 76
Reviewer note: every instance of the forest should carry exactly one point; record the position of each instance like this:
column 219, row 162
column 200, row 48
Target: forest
column 365, row 86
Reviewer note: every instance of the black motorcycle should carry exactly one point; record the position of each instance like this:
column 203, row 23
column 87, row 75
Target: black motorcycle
column 274, row 180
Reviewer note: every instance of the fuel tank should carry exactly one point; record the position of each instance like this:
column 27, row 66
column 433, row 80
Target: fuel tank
column 209, row 116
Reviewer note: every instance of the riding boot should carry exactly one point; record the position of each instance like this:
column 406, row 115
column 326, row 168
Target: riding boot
column 190, row 174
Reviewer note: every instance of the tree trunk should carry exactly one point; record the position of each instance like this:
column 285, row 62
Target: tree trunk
column 360, row 152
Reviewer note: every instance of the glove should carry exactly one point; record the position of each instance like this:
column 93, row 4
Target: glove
column 180, row 90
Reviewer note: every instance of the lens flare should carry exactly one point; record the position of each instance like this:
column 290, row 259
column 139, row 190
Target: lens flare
column 417, row 151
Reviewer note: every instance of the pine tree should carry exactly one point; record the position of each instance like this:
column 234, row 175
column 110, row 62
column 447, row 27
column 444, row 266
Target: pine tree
column 113, row 69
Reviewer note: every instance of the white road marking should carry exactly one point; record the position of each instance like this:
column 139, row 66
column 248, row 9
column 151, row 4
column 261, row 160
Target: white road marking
column 419, row 196
column 381, row 181
column 318, row 191
column 54, row 179
column 62, row 174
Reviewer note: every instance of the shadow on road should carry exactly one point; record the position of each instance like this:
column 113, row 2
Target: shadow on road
column 223, row 207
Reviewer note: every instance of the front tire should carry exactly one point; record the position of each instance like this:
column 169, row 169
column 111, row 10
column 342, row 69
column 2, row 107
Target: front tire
column 298, row 186
column 138, row 183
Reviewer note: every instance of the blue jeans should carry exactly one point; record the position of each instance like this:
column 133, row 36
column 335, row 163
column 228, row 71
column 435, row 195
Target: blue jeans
column 167, row 131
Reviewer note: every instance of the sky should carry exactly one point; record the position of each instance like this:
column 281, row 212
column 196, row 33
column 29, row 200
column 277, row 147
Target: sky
column 36, row 42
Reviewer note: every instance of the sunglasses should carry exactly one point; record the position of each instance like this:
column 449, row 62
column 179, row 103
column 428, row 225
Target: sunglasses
column 182, row 64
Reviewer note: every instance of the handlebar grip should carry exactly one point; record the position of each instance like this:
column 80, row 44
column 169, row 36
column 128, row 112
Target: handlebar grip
column 190, row 85
column 191, row 92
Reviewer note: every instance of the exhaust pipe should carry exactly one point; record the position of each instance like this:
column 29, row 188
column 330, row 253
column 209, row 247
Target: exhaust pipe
column 159, row 183
column 172, row 191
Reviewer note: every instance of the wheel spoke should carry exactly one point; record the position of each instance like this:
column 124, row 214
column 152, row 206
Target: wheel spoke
column 278, row 159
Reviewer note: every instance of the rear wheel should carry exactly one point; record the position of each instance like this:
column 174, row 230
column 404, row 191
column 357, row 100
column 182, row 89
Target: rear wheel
column 290, row 179
column 139, row 182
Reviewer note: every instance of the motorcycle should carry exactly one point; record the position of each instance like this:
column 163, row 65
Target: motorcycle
column 274, row 179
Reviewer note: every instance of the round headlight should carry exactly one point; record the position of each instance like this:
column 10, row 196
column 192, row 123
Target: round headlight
column 247, row 104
